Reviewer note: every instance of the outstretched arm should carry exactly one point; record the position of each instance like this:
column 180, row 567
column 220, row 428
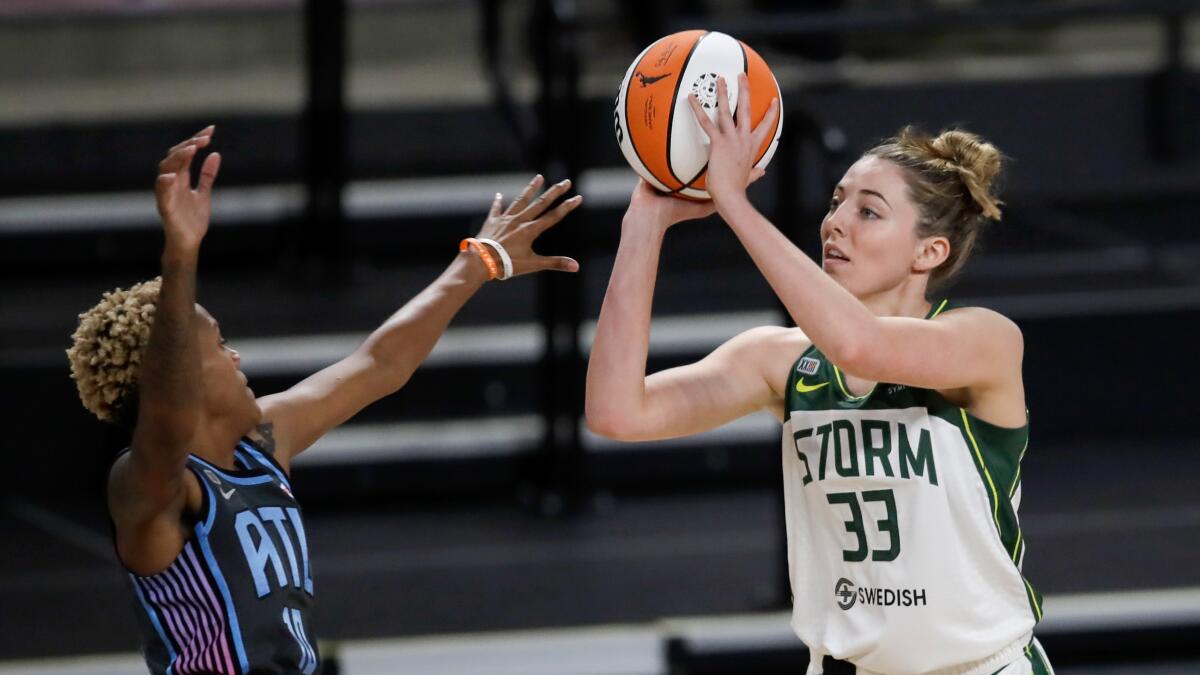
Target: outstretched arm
column 389, row 356
column 973, row 347
column 623, row 402
column 147, row 488
column 168, row 400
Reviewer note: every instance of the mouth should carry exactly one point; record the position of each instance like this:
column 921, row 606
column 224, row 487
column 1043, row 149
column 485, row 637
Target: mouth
column 833, row 256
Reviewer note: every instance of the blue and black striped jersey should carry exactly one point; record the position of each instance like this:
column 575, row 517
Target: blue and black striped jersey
column 238, row 597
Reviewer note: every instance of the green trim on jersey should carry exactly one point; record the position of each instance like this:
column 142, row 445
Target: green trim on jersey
column 837, row 373
column 1037, row 661
column 935, row 312
column 996, row 451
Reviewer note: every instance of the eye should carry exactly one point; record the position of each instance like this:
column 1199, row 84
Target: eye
column 868, row 213
column 833, row 204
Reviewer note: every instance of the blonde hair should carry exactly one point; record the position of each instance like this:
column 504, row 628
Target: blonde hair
column 106, row 356
column 953, row 179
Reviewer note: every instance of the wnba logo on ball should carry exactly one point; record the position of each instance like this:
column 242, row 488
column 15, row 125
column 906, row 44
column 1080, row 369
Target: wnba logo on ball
column 844, row 591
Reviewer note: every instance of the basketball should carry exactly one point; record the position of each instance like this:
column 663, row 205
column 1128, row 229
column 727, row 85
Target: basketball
column 654, row 124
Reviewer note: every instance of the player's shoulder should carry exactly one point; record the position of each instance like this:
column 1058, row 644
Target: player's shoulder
column 983, row 321
column 767, row 345
column 127, row 490
column 771, row 338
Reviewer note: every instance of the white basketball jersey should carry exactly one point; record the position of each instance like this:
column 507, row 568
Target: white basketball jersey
column 904, row 547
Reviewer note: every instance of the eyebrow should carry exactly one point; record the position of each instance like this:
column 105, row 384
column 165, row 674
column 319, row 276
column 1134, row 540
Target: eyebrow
column 877, row 194
column 842, row 188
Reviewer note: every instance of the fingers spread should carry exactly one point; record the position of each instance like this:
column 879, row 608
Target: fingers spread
column 177, row 159
column 558, row 263
column 767, row 125
column 701, row 117
column 724, row 118
column 205, row 133
column 543, row 202
column 208, row 172
column 523, row 200
column 743, row 108
column 200, row 138
column 537, row 227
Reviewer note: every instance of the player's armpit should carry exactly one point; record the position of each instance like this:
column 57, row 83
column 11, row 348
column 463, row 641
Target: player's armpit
column 148, row 514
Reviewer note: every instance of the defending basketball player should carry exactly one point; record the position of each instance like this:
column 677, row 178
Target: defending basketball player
column 904, row 419
column 205, row 520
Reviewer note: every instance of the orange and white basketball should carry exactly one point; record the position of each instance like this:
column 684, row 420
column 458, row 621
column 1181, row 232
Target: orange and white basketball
column 655, row 126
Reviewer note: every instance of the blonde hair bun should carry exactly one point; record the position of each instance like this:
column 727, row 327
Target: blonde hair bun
column 977, row 162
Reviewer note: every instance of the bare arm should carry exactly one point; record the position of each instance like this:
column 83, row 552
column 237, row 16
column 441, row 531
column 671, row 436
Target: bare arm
column 390, row 355
column 146, row 489
column 622, row 402
column 168, row 399
column 969, row 348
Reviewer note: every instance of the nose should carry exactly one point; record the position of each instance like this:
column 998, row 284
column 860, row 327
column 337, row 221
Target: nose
column 237, row 358
column 833, row 225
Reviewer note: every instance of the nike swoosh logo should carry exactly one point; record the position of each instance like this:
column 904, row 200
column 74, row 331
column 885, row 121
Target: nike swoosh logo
column 229, row 494
column 806, row 388
column 646, row 81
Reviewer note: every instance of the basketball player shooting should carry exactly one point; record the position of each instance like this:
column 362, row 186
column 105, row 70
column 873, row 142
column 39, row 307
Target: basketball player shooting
column 904, row 419
column 205, row 519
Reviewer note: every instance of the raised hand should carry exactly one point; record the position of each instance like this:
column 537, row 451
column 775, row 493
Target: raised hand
column 649, row 205
column 185, row 211
column 525, row 219
column 733, row 146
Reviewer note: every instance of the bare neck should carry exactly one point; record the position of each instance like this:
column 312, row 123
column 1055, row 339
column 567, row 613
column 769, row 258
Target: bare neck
column 217, row 437
column 906, row 299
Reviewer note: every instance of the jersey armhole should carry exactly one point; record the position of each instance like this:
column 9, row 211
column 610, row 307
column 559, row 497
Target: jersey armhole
column 208, row 505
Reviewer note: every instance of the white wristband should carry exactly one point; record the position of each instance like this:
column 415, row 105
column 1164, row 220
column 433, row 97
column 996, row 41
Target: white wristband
column 505, row 260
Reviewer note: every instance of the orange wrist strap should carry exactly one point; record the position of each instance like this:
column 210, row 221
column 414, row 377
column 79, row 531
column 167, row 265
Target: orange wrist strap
column 484, row 254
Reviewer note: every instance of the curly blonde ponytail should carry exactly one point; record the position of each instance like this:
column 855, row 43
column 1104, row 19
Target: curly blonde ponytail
column 953, row 179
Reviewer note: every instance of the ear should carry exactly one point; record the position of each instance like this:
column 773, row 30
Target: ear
column 931, row 252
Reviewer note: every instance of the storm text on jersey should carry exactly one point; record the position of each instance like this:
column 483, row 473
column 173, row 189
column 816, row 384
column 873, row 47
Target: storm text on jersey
column 869, row 448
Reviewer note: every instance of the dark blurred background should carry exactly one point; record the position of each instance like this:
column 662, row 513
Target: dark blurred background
column 470, row 523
